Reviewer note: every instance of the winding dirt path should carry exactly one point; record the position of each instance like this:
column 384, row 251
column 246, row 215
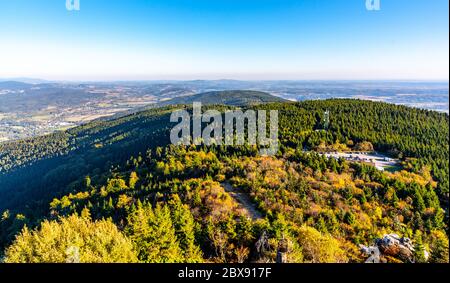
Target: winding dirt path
column 244, row 201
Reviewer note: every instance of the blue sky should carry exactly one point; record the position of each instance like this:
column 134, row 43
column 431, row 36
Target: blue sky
column 235, row 39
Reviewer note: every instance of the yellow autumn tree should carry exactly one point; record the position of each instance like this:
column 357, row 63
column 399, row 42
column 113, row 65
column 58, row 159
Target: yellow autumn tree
column 71, row 239
column 319, row 248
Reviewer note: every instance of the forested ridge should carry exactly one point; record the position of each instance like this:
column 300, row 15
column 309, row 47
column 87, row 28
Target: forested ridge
column 163, row 203
column 232, row 97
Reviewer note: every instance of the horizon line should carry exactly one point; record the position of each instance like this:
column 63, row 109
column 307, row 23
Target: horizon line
column 44, row 80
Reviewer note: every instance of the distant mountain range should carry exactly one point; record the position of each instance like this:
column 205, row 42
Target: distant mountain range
column 14, row 85
column 25, row 80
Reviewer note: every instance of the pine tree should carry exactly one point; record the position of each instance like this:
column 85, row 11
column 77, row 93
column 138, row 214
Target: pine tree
column 86, row 214
column 244, row 229
column 133, row 180
column 184, row 226
column 438, row 219
column 87, row 182
column 439, row 248
column 110, row 205
column 349, row 218
column 321, row 226
column 280, row 226
column 153, row 235
column 419, row 202
column 419, row 255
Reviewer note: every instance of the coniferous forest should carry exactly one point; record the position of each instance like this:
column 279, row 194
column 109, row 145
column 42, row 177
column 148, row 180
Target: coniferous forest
column 118, row 191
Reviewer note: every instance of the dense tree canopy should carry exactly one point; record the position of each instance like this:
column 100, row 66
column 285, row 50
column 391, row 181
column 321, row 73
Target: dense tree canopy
column 71, row 239
column 170, row 203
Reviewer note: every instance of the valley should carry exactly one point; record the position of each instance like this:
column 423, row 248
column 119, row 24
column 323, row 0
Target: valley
column 28, row 110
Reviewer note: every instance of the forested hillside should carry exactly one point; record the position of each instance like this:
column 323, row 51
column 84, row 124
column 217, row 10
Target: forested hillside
column 232, row 97
column 163, row 203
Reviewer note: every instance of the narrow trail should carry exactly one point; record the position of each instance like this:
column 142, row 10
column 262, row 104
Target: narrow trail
column 244, row 201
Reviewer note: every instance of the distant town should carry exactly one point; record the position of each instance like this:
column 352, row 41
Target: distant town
column 33, row 107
